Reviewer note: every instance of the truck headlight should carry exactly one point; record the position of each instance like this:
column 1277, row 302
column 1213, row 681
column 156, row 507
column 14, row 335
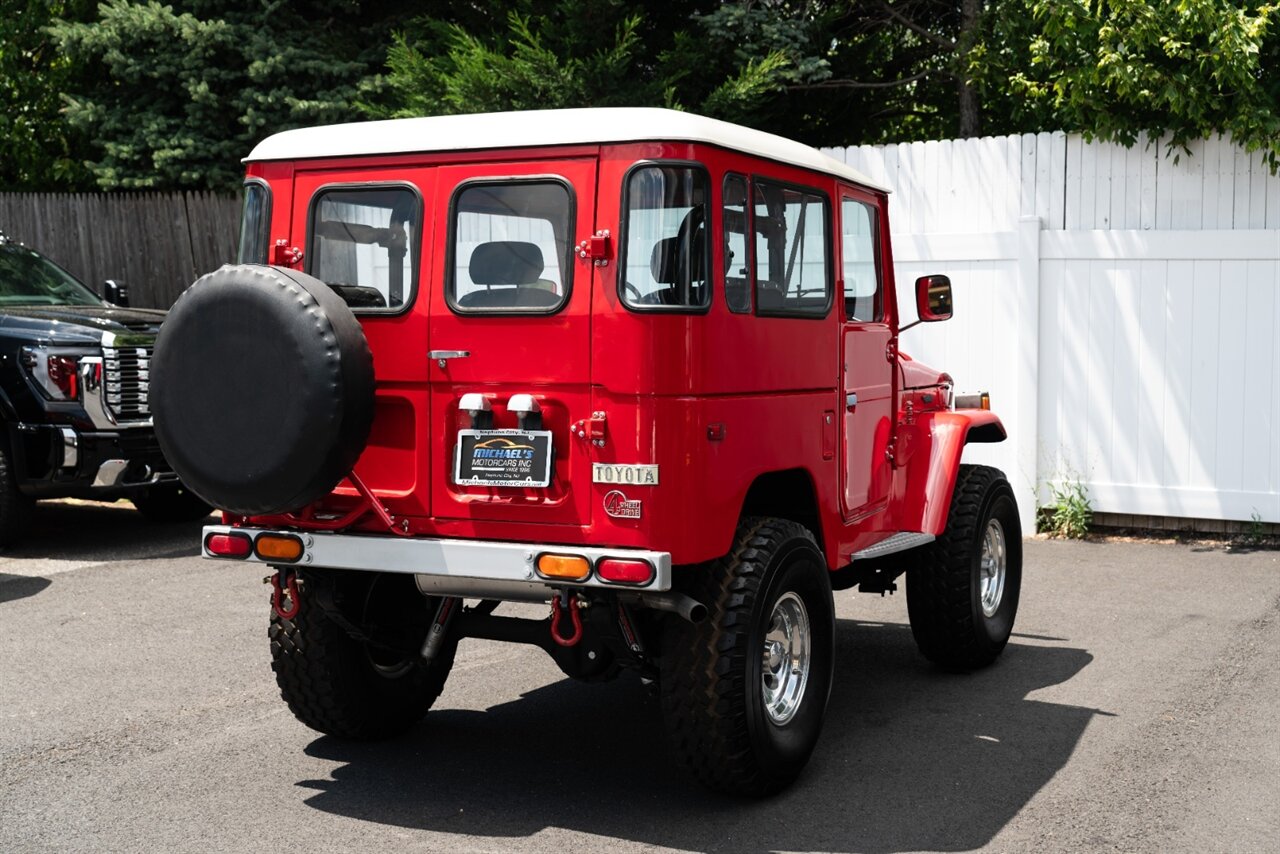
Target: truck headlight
column 56, row 373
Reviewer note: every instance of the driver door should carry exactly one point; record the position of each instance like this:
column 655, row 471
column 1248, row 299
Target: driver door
column 868, row 367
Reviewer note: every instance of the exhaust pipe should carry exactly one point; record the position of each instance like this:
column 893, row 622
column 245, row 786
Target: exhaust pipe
column 676, row 603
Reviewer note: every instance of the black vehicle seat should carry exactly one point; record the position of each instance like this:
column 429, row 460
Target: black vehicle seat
column 511, row 273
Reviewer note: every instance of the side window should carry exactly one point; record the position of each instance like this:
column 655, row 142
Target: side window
column 737, row 261
column 793, row 275
column 364, row 244
column 255, row 223
column 862, row 299
column 511, row 248
column 664, row 246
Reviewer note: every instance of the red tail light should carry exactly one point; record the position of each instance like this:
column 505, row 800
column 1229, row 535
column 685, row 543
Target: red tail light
column 622, row 571
column 229, row 545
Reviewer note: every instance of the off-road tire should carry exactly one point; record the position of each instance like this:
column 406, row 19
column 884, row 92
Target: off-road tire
column 170, row 503
column 328, row 677
column 15, row 508
column 943, row 583
column 711, row 671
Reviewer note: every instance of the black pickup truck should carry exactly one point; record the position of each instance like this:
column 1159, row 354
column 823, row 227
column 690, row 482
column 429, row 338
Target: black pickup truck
column 74, row 415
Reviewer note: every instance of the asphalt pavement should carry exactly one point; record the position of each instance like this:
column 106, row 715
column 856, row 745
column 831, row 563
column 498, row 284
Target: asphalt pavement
column 1137, row 708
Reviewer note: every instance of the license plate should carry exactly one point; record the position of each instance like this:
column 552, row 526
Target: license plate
column 503, row 458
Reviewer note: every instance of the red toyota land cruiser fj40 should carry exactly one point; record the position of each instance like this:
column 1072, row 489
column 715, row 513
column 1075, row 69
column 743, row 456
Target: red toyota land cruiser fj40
column 635, row 363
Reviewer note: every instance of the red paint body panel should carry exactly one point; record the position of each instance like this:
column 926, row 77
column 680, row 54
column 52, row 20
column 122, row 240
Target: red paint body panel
column 715, row 399
column 928, row 459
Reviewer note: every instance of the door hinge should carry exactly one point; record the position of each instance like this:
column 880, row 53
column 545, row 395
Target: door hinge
column 286, row 255
column 591, row 429
column 596, row 248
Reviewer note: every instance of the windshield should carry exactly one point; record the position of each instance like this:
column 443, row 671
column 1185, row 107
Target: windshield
column 28, row 278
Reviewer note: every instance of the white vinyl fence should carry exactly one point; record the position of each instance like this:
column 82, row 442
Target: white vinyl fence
column 1122, row 308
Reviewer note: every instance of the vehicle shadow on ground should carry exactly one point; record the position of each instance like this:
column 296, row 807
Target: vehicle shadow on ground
column 14, row 587
column 64, row 530
column 910, row 759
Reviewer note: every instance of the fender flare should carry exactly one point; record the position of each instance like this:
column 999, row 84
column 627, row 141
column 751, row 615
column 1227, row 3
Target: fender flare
column 929, row 456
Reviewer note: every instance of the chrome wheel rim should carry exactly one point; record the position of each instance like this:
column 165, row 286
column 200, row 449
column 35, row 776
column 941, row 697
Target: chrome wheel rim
column 785, row 659
column 992, row 568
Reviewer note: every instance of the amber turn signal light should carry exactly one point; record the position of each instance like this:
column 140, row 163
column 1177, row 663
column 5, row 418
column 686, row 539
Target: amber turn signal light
column 228, row 545
column 282, row 547
column 568, row 567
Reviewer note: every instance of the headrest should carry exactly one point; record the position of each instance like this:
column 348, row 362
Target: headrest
column 668, row 268
column 506, row 262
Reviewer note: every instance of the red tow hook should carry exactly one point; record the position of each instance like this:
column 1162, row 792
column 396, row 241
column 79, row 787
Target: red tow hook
column 288, row 581
column 574, row 616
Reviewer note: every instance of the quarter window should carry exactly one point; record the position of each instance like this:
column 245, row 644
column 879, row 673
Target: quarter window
column 665, row 247
column 862, row 300
column 364, row 244
column 791, row 244
column 255, row 221
column 511, row 248
column 737, row 260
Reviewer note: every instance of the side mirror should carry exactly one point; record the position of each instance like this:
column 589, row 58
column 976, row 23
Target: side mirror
column 933, row 298
column 116, row 293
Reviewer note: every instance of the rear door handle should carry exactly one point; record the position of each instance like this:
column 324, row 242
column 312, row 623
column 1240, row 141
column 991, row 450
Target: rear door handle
column 441, row 356
column 851, row 400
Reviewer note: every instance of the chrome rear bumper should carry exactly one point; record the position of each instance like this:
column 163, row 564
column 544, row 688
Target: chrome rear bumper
column 475, row 568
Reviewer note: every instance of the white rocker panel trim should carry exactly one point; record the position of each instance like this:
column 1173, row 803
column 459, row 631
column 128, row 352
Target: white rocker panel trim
column 898, row 542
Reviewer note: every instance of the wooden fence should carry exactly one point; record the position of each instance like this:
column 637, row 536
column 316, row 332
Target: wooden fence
column 156, row 243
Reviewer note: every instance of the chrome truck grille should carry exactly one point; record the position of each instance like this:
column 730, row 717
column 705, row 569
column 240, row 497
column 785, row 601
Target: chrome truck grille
column 127, row 373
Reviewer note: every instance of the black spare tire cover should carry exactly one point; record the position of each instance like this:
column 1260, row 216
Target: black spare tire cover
column 261, row 389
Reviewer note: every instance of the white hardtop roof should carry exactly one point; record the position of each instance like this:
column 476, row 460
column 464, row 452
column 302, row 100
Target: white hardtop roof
column 588, row 126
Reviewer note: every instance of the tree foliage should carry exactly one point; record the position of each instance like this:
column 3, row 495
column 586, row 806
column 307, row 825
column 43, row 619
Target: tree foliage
column 40, row 151
column 1115, row 68
column 599, row 53
column 182, row 92
column 829, row 73
column 136, row 94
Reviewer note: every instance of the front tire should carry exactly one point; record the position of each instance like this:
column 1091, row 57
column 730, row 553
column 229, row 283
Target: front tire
column 962, row 595
column 16, row 509
column 364, row 689
column 744, row 691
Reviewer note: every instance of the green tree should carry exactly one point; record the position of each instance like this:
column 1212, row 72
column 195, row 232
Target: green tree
column 828, row 73
column 41, row 152
column 181, row 92
column 596, row 53
column 1114, row 68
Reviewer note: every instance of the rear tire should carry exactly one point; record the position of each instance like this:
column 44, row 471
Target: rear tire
column 744, row 691
column 346, row 687
column 170, row 503
column 962, row 594
column 16, row 509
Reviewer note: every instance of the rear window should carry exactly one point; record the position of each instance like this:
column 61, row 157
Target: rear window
column 511, row 248
column 793, row 251
column 364, row 244
column 665, row 248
